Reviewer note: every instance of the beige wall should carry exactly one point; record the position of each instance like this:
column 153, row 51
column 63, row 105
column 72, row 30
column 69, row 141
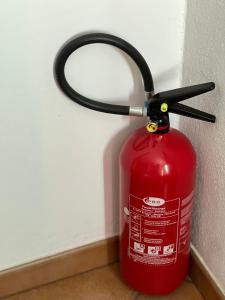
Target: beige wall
column 204, row 60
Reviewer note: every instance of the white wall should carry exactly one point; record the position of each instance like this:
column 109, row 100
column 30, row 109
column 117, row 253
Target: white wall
column 58, row 173
column 204, row 60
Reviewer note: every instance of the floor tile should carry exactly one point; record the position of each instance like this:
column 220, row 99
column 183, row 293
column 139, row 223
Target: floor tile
column 100, row 284
column 187, row 291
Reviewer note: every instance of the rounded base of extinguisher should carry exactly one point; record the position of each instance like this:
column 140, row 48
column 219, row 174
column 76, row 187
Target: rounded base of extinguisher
column 155, row 280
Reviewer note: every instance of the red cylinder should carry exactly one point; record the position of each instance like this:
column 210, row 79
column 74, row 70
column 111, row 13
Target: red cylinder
column 157, row 174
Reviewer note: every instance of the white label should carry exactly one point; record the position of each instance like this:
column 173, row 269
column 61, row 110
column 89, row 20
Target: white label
column 153, row 230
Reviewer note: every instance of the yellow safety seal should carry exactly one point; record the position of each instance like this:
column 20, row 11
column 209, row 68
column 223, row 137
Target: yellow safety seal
column 151, row 127
column 164, row 107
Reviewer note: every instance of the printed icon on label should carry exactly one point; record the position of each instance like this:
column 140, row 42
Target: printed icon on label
column 168, row 249
column 138, row 247
column 154, row 250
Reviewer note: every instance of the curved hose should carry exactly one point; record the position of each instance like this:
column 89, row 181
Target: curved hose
column 71, row 46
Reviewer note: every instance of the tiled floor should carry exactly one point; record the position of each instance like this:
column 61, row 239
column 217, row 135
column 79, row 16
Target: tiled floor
column 100, row 284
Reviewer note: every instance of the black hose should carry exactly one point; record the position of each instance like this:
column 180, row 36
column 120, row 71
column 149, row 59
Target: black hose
column 93, row 38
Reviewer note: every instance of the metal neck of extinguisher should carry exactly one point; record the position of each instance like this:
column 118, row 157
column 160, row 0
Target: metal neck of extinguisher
column 156, row 106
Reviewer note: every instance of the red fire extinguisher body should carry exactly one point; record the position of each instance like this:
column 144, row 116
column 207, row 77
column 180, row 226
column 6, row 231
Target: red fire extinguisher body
column 157, row 174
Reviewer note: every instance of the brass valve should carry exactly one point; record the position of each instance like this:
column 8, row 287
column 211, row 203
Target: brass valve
column 152, row 127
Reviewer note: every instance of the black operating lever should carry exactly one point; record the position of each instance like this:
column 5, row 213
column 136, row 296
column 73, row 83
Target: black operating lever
column 168, row 101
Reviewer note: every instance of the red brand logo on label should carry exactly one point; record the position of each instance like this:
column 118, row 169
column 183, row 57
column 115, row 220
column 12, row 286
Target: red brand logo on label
column 153, row 201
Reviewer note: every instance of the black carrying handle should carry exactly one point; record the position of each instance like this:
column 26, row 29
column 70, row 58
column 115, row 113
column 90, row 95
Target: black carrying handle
column 93, row 38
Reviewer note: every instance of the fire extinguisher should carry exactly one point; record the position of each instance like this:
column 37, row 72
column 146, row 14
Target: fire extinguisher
column 157, row 175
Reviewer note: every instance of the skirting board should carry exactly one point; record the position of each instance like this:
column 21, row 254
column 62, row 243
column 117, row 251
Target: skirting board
column 202, row 278
column 83, row 259
column 58, row 266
